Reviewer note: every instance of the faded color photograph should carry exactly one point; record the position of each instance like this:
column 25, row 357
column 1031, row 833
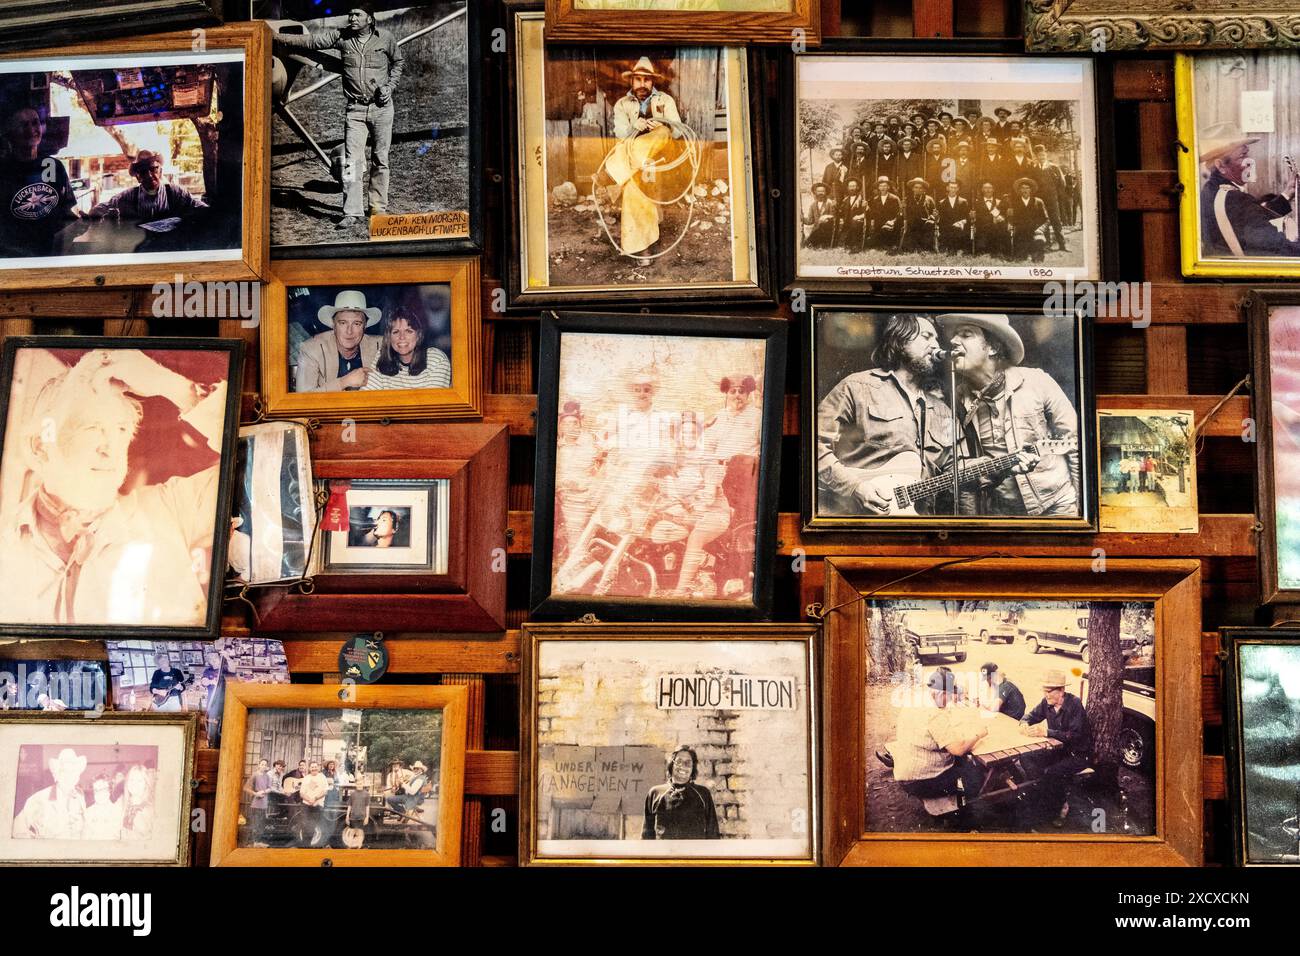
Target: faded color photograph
column 656, row 466
column 1053, row 730
column 1148, row 471
column 651, row 749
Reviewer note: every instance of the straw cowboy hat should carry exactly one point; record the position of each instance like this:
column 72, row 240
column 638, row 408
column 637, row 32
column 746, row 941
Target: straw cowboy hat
column 643, row 68
column 998, row 326
column 1053, row 679
column 419, row 765
column 917, row 179
column 142, row 159
column 67, row 760
column 349, row 300
column 1221, row 139
column 1025, row 179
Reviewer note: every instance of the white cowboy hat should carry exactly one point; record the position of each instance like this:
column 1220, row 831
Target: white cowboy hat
column 643, row 68
column 998, row 326
column 68, row 759
column 349, row 300
column 419, row 765
column 1220, row 139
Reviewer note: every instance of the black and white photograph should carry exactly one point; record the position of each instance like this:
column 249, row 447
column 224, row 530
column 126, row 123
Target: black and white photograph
column 191, row 676
column 342, row 779
column 114, row 790
column 376, row 526
column 1147, row 463
column 669, row 749
column 1011, row 717
column 1263, row 694
column 945, row 168
column 912, row 404
column 274, row 514
column 373, row 136
column 115, row 465
column 126, row 160
column 53, row 684
column 373, row 338
column 1239, row 173
column 635, row 167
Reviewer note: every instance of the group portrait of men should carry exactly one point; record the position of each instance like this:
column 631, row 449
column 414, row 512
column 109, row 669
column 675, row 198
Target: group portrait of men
column 876, row 424
column 934, row 182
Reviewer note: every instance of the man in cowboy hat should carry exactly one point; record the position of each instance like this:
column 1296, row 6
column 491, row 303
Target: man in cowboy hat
column 59, row 811
column 1026, row 215
column 920, row 218
column 1002, row 129
column 342, row 356
column 1233, row 222
column 152, row 199
column 935, row 165
column 911, row 161
column 407, row 786
column 821, row 218
column 992, row 168
column 372, row 66
column 1059, row 716
column 851, row 214
column 1005, row 407
column 643, row 121
column 836, row 172
column 884, row 216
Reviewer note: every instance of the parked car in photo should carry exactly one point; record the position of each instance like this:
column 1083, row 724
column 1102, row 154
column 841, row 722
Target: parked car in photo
column 1137, row 741
column 934, row 635
column 992, row 629
column 1064, row 630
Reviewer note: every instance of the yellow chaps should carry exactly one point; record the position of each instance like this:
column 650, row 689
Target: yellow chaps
column 640, row 219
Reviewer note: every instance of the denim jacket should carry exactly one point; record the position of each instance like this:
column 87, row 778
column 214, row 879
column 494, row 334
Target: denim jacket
column 367, row 64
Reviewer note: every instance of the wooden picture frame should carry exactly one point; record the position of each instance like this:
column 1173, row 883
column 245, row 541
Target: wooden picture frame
column 538, row 690
column 1174, row 588
column 528, row 274
column 546, row 600
column 576, row 20
column 463, row 399
column 57, row 21
column 241, row 698
column 1241, row 781
column 250, row 42
column 1115, row 26
column 933, row 273
column 145, row 729
column 1258, row 307
column 1026, row 311
column 471, row 595
column 167, row 501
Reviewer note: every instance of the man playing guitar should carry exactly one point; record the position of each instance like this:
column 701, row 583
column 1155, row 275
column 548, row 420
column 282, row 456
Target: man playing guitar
column 167, row 684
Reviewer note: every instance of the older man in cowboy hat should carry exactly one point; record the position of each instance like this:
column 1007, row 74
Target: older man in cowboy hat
column 1027, row 214
column 1005, row 407
column 341, row 357
column 152, row 199
column 59, row 811
column 643, row 126
column 1059, row 716
column 884, row 215
column 1233, row 222
column 920, row 219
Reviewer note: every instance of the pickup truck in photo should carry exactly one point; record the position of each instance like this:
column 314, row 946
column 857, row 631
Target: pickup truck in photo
column 1064, row 630
column 935, row 636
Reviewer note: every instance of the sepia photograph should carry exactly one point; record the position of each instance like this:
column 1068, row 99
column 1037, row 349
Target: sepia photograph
column 52, row 684
column 376, row 526
column 114, row 790
column 191, row 676
column 1053, row 730
column 115, row 470
column 121, row 160
column 1263, row 745
column 1238, row 173
column 945, row 168
column 1148, row 471
column 274, row 513
column 636, row 167
column 656, row 464
column 372, row 136
column 890, row 439
column 650, row 748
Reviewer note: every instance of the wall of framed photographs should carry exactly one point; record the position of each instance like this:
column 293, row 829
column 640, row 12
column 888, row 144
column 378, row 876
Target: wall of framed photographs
column 1193, row 353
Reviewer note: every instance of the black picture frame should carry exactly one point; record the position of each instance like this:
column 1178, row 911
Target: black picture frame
column 763, row 291
column 787, row 219
column 430, row 489
column 48, row 24
column 889, row 528
column 544, row 603
column 1256, row 306
column 471, row 244
column 1233, row 639
column 234, row 349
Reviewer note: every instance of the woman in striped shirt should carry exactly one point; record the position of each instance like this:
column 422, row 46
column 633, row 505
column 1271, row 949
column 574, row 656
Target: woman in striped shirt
column 404, row 361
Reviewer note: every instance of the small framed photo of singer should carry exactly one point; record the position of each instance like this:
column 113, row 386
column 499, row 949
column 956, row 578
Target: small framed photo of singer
column 343, row 340
column 912, row 403
column 116, row 472
column 658, row 449
column 1238, row 170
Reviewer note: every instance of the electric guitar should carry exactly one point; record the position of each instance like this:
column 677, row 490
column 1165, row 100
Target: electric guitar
column 900, row 478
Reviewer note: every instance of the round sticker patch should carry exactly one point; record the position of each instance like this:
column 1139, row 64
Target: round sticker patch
column 363, row 659
column 34, row 202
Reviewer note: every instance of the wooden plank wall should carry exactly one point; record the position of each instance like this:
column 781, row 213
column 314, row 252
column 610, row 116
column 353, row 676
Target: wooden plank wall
column 1193, row 352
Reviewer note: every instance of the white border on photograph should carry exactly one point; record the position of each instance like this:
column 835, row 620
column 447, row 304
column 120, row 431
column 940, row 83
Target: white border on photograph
column 339, row 555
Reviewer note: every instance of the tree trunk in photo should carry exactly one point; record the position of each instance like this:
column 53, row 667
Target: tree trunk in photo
column 1105, row 703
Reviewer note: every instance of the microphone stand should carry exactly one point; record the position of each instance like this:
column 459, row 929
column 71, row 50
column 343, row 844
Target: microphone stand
column 952, row 405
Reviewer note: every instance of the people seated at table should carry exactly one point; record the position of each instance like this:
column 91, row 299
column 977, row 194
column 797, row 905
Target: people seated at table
column 933, row 744
column 1061, row 716
column 999, row 695
column 152, row 199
